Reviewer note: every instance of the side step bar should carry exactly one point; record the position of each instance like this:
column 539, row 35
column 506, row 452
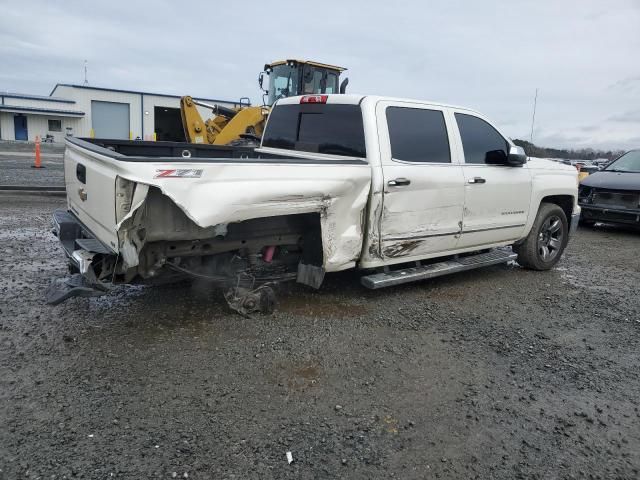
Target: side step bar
column 460, row 264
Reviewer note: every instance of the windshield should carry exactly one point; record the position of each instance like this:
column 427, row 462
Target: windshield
column 629, row 162
column 283, row 82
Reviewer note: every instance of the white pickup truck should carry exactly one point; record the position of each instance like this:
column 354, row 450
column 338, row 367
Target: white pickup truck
column 402, row 189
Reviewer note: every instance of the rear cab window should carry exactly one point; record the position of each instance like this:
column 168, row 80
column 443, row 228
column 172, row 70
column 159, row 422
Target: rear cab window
column 335, row 129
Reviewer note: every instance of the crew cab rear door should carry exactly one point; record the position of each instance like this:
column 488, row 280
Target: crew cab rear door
column 423, row 194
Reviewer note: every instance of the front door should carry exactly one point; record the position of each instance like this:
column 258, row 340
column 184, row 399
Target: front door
column 423, row 194
column 497, row 196
column 20, row 127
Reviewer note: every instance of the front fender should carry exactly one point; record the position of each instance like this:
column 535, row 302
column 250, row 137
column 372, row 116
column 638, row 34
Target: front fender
column 556, row 183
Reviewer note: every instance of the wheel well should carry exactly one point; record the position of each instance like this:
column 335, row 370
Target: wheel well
column 303, row 230
column 306, row 225
column 563, row 201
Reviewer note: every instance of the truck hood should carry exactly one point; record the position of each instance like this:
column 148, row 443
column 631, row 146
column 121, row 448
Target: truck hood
column 546, row 164
column 613, row 180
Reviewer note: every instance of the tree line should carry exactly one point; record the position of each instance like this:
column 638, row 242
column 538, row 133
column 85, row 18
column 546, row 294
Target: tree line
column 569, row 154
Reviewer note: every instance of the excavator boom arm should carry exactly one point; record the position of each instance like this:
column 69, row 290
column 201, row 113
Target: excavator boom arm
column 192, row 123
column 227, row 126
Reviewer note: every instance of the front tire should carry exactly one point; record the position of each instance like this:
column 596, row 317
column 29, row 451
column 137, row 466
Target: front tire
column 547, row 239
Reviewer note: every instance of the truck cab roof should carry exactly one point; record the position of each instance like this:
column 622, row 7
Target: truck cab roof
column 355, row 99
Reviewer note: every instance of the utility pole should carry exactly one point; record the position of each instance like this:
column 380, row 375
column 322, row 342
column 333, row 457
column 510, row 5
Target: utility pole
column 533, row 118
column 86, row 82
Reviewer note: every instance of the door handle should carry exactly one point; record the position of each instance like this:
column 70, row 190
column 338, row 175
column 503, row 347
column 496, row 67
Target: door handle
column 399, row 182
column 477, row 180
column 81, row 173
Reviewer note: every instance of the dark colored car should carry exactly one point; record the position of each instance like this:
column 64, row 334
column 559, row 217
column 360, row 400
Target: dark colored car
column 612, row 194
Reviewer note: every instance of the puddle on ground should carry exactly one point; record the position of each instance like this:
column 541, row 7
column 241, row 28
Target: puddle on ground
column 296, row 378
column 319, row 306
column 582, row 280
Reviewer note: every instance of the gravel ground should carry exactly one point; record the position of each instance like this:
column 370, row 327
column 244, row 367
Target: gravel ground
column 16, row 159
column 499, row 373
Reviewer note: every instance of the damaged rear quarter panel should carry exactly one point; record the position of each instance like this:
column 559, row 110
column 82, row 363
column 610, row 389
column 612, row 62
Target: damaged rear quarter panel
column 233, row 192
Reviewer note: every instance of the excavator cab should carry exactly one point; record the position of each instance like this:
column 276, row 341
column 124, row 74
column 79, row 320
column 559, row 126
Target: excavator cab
column 299, row 77
column 244, row 124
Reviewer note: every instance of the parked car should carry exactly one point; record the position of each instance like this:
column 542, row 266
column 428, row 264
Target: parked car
column 601, row 162
column 401, row 189
column 613, row 194
column 585, row 169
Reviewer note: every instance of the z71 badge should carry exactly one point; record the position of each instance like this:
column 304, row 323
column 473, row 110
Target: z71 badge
column 178, row 173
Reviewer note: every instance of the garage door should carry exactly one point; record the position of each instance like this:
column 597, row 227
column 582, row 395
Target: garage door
column 110, row 119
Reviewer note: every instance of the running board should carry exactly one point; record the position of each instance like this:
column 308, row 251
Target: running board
column 460, row 264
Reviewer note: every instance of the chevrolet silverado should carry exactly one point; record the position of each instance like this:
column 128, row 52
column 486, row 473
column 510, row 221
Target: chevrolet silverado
column 401, row 189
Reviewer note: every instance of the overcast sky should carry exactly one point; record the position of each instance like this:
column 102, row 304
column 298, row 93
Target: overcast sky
column 489, row 55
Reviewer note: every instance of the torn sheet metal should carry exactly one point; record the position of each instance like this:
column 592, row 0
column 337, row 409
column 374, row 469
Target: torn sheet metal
column 236, row 191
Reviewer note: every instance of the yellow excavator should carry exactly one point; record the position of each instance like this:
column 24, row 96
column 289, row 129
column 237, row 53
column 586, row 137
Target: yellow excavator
column 244, row 125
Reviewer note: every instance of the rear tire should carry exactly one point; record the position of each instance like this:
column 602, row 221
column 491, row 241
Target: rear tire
column 547, row 239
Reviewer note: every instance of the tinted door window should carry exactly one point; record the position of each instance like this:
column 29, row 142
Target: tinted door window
column 321, row 128
column 418, row 135
column 481, row 142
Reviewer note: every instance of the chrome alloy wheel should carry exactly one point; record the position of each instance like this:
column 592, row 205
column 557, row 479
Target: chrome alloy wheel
column 550, row 238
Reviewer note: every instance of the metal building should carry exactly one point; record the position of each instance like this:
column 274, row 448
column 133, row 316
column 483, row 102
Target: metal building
column 85, row 111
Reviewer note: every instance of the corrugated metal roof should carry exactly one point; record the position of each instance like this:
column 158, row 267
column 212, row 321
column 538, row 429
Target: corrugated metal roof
column 50, row 111
column 137, row 92
column 26, row 96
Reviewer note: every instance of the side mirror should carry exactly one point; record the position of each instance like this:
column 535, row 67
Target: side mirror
column 516, row 156
column 261, row 80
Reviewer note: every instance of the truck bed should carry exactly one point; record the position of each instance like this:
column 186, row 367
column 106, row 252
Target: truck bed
column 144, row 151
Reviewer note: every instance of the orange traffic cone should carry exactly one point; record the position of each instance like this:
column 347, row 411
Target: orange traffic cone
column 38, row 162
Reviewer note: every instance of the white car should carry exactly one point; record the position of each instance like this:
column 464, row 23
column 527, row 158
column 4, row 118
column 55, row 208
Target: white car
column 401, row 189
